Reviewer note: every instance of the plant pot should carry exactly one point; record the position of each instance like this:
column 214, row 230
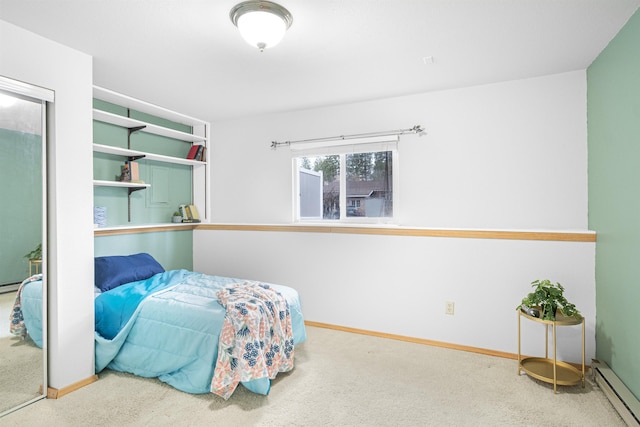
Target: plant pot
column 551, row 310
column 176, row 219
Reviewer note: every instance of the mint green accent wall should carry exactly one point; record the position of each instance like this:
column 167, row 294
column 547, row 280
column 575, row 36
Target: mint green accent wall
column 170, row 187
column 172, row 249
column 613, row 105
column 171, row 184
column 20, row 202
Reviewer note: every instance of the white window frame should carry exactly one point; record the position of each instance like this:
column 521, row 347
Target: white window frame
column 341, row 149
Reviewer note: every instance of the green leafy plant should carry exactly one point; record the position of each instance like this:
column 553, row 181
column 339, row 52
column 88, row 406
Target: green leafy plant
column 176, row 213
column 36, row 253
column 548, row 297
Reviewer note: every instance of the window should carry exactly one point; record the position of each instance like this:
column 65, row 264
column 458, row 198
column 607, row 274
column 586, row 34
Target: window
column 350, row 186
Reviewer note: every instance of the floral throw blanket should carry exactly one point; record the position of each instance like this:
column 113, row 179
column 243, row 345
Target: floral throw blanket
column 16, row 321
column 256, row 340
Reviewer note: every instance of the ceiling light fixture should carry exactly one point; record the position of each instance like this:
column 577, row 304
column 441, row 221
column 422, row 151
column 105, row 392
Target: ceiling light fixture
column 261, row 23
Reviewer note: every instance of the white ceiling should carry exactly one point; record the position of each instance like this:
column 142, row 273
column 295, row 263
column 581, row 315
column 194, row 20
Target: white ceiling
column 186, row 55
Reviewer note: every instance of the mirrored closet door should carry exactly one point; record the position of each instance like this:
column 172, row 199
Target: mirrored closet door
column 23, row 243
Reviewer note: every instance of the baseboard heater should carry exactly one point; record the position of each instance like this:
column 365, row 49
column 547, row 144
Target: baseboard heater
column 618, row 394
column 9, row 287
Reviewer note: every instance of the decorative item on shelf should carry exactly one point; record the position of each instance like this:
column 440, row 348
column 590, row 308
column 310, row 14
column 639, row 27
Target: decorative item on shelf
column 130, row 172
column 176, row 217
column 99, row 216
column 125, row 173
column 546, row 298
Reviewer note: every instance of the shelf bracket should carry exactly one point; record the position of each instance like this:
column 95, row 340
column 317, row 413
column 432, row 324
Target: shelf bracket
column 129, row 191
column 130, row 131
column 134, row 158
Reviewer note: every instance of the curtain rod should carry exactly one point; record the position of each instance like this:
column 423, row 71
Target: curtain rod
column 417, row 129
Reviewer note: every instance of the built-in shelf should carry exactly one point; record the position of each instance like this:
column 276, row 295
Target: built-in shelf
column 126, row 122
column 154, row 110
column 198, row 135
column 149, row 156
column 123, row 184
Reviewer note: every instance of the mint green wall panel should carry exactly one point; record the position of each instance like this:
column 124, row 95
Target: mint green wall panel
column 613, row 97
column 160, row 121
column 153, row 205
column 20, row 202
column 172, row 249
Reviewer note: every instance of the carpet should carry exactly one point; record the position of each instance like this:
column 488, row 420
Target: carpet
column 20, row 371
column 342, row 379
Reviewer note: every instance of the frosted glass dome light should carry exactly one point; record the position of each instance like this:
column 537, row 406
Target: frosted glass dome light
column 261, row 23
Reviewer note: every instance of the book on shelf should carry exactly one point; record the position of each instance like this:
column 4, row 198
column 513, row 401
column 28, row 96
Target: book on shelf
column 199, row 152
column 193, row 151
column 183, row 211
column 135, row 171
column 189, row 213
column 194, row 212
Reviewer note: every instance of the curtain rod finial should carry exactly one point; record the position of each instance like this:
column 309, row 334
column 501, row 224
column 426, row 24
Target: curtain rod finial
column 419, row 130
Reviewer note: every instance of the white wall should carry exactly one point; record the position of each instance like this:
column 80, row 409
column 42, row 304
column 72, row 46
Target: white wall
column 509, row 156
column 33, row 59
column 504, row 156
column 399, row 285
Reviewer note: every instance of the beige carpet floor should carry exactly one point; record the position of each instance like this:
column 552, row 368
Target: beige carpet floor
column 341, row 379
column 21, row 371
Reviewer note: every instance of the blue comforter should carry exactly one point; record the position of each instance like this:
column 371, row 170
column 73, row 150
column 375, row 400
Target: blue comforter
column 168, row 327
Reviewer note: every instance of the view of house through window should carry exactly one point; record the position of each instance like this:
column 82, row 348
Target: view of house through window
column 340, row 186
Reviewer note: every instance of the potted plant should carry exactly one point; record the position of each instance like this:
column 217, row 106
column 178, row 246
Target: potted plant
column 176, row 217
column 546, row 298
column 35, row 254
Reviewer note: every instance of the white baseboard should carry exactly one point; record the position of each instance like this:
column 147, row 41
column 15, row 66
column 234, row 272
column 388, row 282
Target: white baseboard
column 620, row 396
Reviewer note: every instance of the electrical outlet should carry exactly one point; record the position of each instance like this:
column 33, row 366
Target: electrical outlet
column 449, row 308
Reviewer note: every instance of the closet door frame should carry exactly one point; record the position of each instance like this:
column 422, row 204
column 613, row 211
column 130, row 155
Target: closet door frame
column 43, row 96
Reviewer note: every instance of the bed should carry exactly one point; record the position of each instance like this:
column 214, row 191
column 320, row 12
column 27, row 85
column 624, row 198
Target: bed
column 199, row 333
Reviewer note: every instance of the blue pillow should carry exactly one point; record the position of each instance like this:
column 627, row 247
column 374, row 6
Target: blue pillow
column 113, row 271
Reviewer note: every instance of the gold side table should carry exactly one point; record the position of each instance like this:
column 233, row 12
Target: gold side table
column 551, row 370
column 34, row 266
